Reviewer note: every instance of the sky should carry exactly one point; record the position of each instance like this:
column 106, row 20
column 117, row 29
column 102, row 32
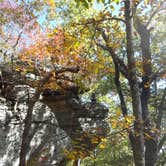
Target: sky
column 97, row 6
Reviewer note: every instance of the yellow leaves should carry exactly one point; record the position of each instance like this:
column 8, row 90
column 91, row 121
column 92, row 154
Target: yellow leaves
column 104, row 140
column 82, row 154
column 129, row 119
column 147, row 85
column 51, row 3
column 65, row 49
column 65, row 151
column 114, row 45
column 52, row 33
column 116, row 119
column 101, row 65
column 147, row 136
column 118, row 113
column 118, row 122
column 95, row 140
column 114, row 123
column 111, row 70
column 75, row 154
column 18, row 68
column 102, row 145
column 71, row 43
column 155, row 130
column 72, row 155
column 109, row 44
column 146, row 2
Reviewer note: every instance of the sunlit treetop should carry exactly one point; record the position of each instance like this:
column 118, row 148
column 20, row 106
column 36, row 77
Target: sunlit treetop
column 18, row 20
column 77, row 43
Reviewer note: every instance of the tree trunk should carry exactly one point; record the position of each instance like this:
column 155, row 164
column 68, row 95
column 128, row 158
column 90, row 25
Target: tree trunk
column 25, row 138
column 151, row 142
column 138, row 136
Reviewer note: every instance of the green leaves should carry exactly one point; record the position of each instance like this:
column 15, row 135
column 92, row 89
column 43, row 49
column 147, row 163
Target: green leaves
column 85, row 3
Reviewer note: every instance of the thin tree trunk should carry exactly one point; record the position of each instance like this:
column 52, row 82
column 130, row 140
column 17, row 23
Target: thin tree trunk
column 25, row 137
column 138, row 136
column 151, row 142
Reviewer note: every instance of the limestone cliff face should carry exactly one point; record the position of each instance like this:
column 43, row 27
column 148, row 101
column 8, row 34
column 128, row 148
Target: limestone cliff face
column 59, row 120
column 46, row 136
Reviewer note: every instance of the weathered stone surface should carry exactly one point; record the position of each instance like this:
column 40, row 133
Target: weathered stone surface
column 58, row 121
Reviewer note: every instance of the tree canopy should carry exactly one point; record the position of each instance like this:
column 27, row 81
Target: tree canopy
column 109, row 51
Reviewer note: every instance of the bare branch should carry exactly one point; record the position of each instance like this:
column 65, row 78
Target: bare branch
column 18, row 38
column 121, row 131
column 157, row 74
column 66, row 69
column 119, row 89
column 105, row 37
column 102, row 46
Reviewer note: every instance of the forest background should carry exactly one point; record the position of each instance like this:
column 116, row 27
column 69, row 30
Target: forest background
column 114, row 49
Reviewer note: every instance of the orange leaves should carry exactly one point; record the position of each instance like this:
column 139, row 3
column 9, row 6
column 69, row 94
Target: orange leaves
column 63, row 49
column 44, row 47
column 58, row 49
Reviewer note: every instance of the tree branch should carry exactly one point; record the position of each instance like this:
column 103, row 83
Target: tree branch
column 62, row 69
column 18, row 38
column 157, row 74
column 93, row 21
column 119, row 89
column 122, row 67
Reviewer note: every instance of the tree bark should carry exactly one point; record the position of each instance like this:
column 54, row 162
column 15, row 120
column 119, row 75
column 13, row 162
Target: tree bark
column 138, row 136
column 119, row 90
column 151, row 143
column 25, row 137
